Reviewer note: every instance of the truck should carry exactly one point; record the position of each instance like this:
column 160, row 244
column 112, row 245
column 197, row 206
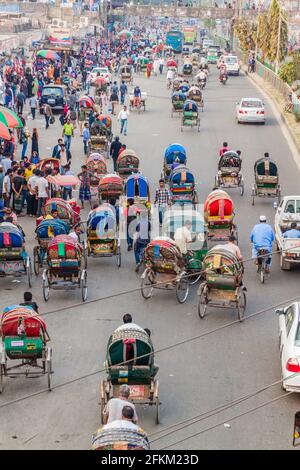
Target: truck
column 287, row 212
column 189, row 35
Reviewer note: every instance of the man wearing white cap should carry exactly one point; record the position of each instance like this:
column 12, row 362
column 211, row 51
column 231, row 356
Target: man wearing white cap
column 262, row 236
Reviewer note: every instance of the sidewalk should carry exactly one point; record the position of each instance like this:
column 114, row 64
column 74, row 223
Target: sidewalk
column 279, row 101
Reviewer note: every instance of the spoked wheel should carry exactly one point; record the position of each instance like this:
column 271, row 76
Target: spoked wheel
column 36, row 260
column 182, row 290
column 148, row 279
column 262, row 274
column 102, row 406
column 46, row 288
column 84, row 288
column 49, row 373
column 193, row 279
column 29, row 271
column 119, row 259
column 242, row 188
column 241, row 305
column 202, row 304
column 157, row 410
column 1, row 377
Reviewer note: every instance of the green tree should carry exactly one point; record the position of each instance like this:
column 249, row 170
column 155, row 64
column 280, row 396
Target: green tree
column 246, row 34
column 290, row 71
column 275, row 11
column 263, row 34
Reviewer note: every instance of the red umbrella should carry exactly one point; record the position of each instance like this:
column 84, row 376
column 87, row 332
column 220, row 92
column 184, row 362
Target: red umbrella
column 4, row 132
column 86, row 102
column 171, row 63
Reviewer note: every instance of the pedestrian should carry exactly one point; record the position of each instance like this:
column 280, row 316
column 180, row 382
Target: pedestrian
column 149, row 69
column 67, row 192
column 143, row 230
column 114, row 100
column 130, row 214
column 81, row 119
column 20, row 102
column 64, row 156
column 68, row 133
column 2, row 174
column 34, row 142
column 32, row 199
column 103, row 99
column 114, row 151
column 86, row 138
column 57, row 148
column 42, row 192
column 18, row 183
column 123, row 92
column 33, row 104
column 28, row 302
column 48, row 114
column 85, row 186
column 162, row 199
column 123, row 117
column 161, row 65
column 6, row 188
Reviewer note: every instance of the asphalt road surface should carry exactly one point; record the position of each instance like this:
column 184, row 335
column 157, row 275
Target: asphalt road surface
column 197, row 376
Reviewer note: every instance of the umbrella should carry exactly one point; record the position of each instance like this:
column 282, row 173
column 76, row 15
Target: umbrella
column 171, row 63
column 86, row 102
column 4, row 132
column 125, row 34
column 51, row 55
column 106, row 120
column 9, row 118
column 100, row 81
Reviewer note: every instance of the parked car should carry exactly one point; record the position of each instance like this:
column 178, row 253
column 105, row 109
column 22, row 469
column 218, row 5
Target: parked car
column 232, row 64
column 102, row 72
column 289, row 346
column 250, row 110
column 54, row 95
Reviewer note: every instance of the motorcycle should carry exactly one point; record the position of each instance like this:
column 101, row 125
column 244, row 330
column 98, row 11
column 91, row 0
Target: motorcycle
column 223, row 79
column 202, row 83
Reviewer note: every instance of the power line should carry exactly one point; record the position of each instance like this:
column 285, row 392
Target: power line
column 273, row 400
column 166, row 348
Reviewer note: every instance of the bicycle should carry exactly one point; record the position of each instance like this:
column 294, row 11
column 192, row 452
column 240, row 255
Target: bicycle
column 263, row 256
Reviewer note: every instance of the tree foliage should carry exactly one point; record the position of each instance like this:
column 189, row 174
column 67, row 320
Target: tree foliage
column 274, row 18
column 290, row 71
column 246, row 34
column 263, row 34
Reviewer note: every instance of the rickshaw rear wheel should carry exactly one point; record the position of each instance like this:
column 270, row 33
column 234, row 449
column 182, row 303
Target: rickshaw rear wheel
column 202, row 304
column 29, row 271
column 157, row 410
column 241, row 305
column 119, row 259
column 46, row 289
column 49, row 373
column 84, row 287
column 147, row 284
column 1, row 377
column 182, row 290
column 36, row 260
column 242, row 188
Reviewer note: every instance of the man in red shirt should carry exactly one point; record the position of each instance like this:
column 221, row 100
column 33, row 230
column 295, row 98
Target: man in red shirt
column 223, row 149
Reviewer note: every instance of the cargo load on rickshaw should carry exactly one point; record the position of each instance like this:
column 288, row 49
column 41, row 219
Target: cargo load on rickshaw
column 165, row 266
column 127, row 163
column 96, row 167
column 120, row 438
column 219, row 215
column 190, row 115
column 103, row 238
column 14, row 260
column 66, row 266
column 178, row 100
column 24, row 348
column 266, row 180
column 182, row 186
column 45, row 231
column 175, row 155
column 46, row 163
column 222, row 286
column 130, row 360
column 110, row 186
column 229, row 172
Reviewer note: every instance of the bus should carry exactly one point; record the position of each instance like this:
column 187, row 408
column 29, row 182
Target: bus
column 189, row 34
column 174, row 39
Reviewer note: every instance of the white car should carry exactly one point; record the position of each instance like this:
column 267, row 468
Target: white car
column 289, row 344
column 102, row 72
column 250, row 110
column 232, row 64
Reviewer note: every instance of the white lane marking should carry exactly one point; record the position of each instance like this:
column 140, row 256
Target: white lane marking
column 282, row 124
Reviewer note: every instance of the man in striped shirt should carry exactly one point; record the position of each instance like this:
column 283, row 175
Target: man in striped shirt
column 162, row 199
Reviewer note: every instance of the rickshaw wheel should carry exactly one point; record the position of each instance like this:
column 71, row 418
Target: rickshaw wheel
column 241, row 305
column 36, row 260
column 194, row 279
column 84, row 287
column 49, row 373
column 147, row 284
column 1, row 377
column 119, row 259
column 102, row 406
column 29, row 271
column 46, row 288
column 182, row 290
column 157, row 410
column 202, row 304
column 242, row 187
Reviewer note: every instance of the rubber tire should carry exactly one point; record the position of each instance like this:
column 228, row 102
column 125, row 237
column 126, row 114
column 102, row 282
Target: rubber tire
column 84, row 288
column 144, row 280
column 202, row 297
column 36, row 260
column 242, row 306
column 183, row 282
column 46, row 290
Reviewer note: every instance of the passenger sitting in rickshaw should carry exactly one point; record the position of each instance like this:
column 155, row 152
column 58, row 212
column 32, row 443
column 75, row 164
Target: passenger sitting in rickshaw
column 114, row 408
column 127, row 421
column 183, row 236
column 175, row 164
column 53, row 215
column 137, row 96
column 76, row 232
column 98, row 127
column 224, row 149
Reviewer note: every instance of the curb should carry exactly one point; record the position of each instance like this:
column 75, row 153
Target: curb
column 282, row 116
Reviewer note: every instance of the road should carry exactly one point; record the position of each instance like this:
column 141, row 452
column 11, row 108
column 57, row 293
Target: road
column 194, row 377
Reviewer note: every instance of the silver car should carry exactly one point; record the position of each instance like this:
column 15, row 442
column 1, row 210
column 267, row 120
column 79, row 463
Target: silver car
column 250, row 110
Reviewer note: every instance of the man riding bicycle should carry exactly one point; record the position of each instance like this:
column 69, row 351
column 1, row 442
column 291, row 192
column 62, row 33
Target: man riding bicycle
column 262, row 237
column 137, row 96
